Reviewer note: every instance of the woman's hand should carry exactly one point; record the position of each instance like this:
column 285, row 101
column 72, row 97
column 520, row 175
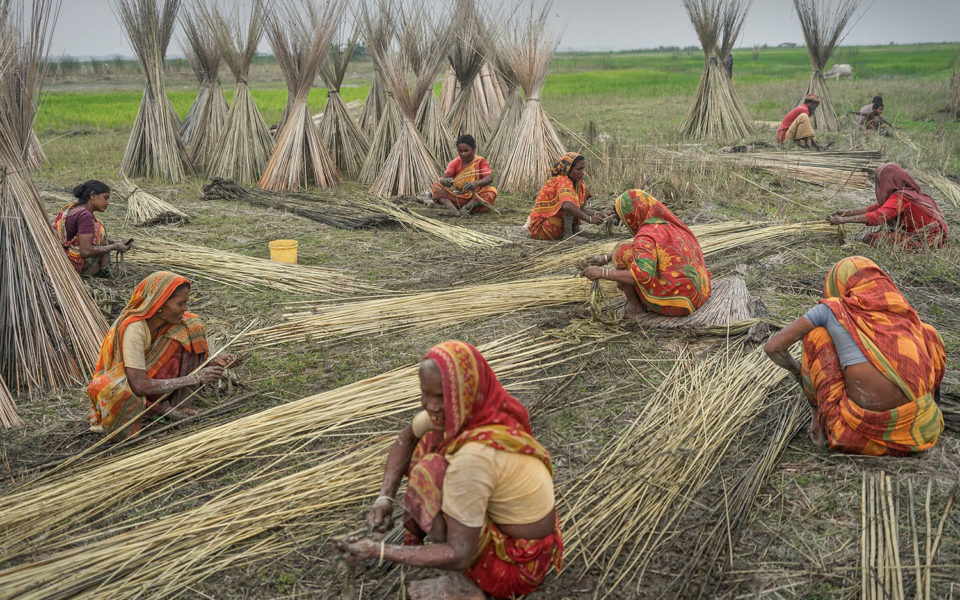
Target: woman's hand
column 835, row 219
column 596, row 260
column 225, row 360
column 596, row 218
column 122, row 247
column 593, row 273
column 470, row 186
column 210, row 374
column 446, row 181
column 359, row 547
column 380, row 517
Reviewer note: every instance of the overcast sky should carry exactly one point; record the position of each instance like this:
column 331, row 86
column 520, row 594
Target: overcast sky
column 89, row 28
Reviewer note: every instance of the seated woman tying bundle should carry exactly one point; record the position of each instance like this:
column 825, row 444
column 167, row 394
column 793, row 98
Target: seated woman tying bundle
column 912, row 217
column 559, row 206
column 83, row 236
column 662, row 270
column 870, row 116
column 149, row 352
column 871, row 368
column 479, row 485
column 465, row 186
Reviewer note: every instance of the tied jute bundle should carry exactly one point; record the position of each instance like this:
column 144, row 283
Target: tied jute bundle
column 346, row 141
column 202, row 127
column 716, row 111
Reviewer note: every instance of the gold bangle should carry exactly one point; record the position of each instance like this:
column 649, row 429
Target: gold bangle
column 382, row 544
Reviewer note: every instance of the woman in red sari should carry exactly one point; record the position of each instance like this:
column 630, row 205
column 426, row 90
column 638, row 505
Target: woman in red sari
column 912, row 217
column 663, row 269
column 559, row 207
column 479, row 485
column 149, row 352
column 465, row 187
column 82, row 235
column 871, row 368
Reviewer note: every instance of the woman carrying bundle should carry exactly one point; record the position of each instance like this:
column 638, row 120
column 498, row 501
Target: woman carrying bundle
column 912, row 218
column 797, row 126
column 82, row 235
column 871, row 368
column 662, row 270
column 148, row 358
column 479, row 484
column 559, row 207
column 465, row 186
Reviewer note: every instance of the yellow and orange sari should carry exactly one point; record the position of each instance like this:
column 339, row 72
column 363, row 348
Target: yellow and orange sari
column 891, row 335
column 112, row 402
column 462, row 174
column 478, row 409
column 84, row 266
column 665, row 257
column 545, row 221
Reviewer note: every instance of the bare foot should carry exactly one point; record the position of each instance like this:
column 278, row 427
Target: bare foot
column 817, row 436
column 455, row 586
column 630, row 311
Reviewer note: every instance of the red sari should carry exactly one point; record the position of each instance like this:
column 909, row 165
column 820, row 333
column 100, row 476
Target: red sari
column 478, row 409
column 665, row 258
column 912, row 217
column 545, row 221
column 112, row 402
column 897, row 343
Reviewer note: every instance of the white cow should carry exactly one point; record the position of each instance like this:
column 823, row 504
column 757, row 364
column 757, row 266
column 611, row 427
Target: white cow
column 838, row 71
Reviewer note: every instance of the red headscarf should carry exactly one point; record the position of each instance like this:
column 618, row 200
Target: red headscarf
column 890, row 178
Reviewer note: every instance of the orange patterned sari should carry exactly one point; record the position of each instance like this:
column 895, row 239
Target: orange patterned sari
column 891, row 335
column 545, row 221
column 112, row 402
column 476, row 170
column 478, row 409
column 84, row 266
column 665, row 258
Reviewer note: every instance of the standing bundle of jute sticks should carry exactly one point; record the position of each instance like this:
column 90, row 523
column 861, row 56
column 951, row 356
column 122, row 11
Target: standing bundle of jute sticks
column 526, row 162
column 8, row 408
column 300, row 33
column 716, row 112
column 408, row 72
column 50, row 328
column 468, row 54
column 203, row 125
column 378, row 34
column 823, row 23
column 245, row 143
column 155, row 149
column 345, row 140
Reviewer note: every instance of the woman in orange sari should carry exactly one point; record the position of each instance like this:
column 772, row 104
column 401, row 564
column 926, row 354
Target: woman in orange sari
column 871, row 368
column 150, row 352
column 82, row 235
column 559, row 207
column 465, row 187
column 479, row 484
column 662, row 270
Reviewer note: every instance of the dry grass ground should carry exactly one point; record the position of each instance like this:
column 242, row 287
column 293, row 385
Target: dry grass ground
column 802, row 539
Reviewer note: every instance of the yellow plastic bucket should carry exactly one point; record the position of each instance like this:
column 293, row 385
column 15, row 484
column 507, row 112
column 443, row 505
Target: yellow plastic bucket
column 284, row 251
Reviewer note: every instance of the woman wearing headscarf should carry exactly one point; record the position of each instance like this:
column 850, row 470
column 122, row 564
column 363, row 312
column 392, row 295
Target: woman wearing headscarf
column 479, row 485
column 559, row 207
column 797, row 126
column 82, row 234
column 871, row 368
column 662, row 270
column 912, row 218
column 149, row 353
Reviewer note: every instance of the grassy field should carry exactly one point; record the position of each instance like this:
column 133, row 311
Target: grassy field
column 802, row 538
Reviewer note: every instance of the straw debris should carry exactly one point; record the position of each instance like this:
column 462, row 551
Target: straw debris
column 145, row 209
